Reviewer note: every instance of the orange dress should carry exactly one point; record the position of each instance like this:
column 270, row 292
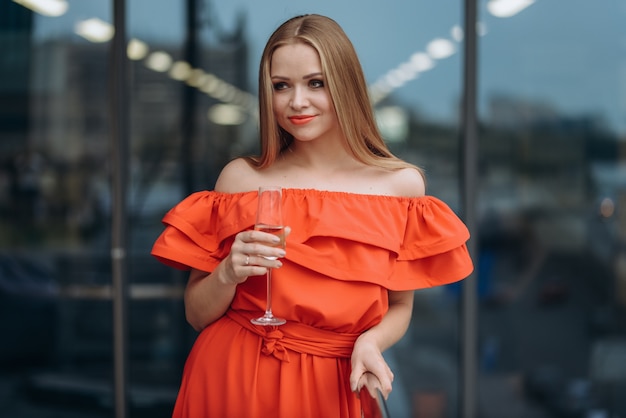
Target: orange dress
column 343, row 254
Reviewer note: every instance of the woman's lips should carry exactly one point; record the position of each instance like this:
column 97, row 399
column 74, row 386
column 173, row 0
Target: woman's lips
column 301, row 120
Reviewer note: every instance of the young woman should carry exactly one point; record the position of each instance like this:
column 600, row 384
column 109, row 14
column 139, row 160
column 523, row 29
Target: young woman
column 363, row 237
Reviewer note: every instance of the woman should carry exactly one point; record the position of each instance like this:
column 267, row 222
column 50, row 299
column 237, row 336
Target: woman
column 363, row 237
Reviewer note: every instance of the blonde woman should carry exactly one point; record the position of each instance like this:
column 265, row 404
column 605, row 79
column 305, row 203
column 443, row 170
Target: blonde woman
column 363, row 236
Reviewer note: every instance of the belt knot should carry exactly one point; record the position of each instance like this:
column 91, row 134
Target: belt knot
column 272, row 344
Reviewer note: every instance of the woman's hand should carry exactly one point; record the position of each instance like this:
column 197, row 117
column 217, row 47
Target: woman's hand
column 208, row 295
column 367, row 352
column 248, row 256
column 369, row 368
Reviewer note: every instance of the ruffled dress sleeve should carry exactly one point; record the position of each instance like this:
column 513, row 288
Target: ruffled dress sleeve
column 433, row 250
column 199, row 229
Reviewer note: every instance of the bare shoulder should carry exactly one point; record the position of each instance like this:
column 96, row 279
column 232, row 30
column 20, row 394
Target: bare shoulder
column 408, row 182
column 236, row 176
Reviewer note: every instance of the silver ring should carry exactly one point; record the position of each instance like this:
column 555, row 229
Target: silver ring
column 247, row 260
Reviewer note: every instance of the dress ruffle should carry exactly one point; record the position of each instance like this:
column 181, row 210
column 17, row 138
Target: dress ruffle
column 399, row 243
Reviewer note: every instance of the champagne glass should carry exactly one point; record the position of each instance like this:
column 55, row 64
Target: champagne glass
column 269, row 219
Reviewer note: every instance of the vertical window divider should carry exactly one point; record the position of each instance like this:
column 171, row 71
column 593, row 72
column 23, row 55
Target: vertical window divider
column 119, row 169
column 469, row 308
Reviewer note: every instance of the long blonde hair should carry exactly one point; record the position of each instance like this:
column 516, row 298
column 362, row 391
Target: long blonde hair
column 346, row 85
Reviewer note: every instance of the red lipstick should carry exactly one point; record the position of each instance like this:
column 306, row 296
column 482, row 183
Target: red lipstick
column 301, row 119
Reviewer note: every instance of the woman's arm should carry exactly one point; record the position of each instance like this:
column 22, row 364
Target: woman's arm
column 208, row 295
column 367, row 353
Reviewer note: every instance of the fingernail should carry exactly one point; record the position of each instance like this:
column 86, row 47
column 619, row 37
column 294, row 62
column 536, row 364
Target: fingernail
column 282, row 254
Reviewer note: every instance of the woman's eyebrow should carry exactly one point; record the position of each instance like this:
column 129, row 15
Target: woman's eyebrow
column 316, row 74
column 306, row 77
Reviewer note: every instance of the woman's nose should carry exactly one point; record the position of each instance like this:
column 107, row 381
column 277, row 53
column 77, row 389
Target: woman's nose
column 299, row 99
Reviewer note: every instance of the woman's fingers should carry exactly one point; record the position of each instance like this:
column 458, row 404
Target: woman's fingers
column 253, row 252
column 371, row 370
column 264, row 244
column 371, row 383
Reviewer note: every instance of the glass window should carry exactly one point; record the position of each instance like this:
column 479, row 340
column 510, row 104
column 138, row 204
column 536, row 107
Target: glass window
column 551, row 277
column 55, row 227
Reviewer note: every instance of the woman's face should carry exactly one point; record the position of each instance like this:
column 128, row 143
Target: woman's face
column 301, row 100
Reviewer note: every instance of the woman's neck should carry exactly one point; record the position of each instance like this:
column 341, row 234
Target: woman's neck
column 319, row 156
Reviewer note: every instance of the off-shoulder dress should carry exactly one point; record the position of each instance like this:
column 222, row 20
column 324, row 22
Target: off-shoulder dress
column 344, row 253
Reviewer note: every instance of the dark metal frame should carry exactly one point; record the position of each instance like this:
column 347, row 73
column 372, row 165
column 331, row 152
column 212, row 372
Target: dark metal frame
column 119, row 99
column 469, row 309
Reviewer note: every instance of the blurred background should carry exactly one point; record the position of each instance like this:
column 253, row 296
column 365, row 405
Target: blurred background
column 549, row 197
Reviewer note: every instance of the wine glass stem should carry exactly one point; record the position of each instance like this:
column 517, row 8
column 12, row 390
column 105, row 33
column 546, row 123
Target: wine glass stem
column 268, row 309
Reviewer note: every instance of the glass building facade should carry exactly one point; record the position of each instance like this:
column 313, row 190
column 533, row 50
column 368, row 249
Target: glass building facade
column 112, row 111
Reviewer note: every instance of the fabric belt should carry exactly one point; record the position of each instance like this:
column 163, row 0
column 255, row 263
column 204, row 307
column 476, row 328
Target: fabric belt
column 298, row 337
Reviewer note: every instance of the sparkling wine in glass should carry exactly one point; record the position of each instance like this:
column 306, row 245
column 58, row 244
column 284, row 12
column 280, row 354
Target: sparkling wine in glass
column 270, row 219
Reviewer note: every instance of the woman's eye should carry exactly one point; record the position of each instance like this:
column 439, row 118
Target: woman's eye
column 280, row 86
column 316, row 84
